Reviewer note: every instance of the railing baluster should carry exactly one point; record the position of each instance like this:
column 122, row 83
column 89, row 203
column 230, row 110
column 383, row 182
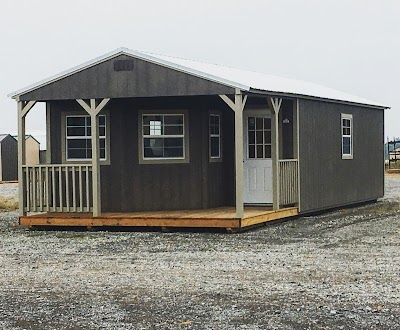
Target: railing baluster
column 73, row 190
column 67, row 187
column 53, row 183
column 87, row 190
column 40, row 189
column 34, row 189
column 80, row 190
column 47, row 189
column 28, row 182
column 60, row 188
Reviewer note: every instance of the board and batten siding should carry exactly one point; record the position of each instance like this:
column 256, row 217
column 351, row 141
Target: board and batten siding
column 128, row 186
column 145, row 80
column 327, row 180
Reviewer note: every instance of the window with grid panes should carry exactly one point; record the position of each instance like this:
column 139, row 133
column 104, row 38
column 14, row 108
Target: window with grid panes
column 163, row 136
column 259, row 137
column 215, row 136
column 347, row 139
column 79, row 137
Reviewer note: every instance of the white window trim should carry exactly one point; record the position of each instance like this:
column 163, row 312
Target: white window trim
column 64, row 116
column 349, row 117
column 163, row 160
column 219, row 158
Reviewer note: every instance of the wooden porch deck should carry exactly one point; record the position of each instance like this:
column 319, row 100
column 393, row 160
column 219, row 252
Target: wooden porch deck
column 223, row 217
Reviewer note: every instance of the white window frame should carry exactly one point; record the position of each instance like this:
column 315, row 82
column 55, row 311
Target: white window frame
column 219, row 136
column 350, row 118
column 106, row 137
column 184, row 136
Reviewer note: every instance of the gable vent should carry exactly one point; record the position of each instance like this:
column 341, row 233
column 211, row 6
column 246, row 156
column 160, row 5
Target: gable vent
column 123, row 65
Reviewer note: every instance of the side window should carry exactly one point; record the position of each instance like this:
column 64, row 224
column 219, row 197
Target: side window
column 347, row 136
column 214, row 129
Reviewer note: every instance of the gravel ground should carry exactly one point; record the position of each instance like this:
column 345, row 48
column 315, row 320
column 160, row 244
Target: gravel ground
column 339, row 270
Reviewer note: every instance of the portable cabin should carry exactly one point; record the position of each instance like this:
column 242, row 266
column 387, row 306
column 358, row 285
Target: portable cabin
column 32, row 149
column 138, row 139
column 8, row 158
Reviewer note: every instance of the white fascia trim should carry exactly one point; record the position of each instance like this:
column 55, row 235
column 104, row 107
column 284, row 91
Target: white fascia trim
column 136, row 54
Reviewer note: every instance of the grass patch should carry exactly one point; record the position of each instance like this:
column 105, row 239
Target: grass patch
column 8, row 203
column 385, row 208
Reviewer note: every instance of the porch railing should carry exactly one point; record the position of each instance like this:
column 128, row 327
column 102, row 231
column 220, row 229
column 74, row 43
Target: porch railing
column 58, row 188
column 288, row 185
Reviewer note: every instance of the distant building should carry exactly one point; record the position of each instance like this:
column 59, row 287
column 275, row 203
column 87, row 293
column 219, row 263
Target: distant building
column 32, row 148
column 395, row 154
column 8, row 158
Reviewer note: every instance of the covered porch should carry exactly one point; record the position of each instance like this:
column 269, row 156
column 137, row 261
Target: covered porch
column 62, row 194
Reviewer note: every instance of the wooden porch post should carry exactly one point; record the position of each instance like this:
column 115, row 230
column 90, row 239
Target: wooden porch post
column 238, row 106
column 239, row 154
column 23, row 109
column 93, row 111
column 276, row 106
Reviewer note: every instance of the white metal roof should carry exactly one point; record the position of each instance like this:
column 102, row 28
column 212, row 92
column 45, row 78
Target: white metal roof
column 234, row 77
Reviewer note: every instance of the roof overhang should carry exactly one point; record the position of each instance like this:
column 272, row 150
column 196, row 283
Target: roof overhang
column 163, row 61
column 128, row 52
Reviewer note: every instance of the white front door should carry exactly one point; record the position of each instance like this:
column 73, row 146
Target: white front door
column 257, row 158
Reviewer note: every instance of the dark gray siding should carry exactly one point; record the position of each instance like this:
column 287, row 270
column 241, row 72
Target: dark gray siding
column 327, row 180
column 129, row 186
column 286, row 130
column 145, row 80
column 42, row 157
column 9, row 159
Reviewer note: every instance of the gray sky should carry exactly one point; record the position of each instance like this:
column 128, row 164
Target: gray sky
column 350, row 45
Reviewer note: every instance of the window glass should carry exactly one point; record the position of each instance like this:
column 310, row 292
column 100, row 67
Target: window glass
column 215, row 136
column 163, row 136
column 347, row 143
column 259, row 137
column 78, row 137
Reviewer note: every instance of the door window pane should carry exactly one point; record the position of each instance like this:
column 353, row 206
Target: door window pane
column 259, row 137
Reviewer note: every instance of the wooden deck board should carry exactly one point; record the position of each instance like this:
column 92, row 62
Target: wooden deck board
column 224, row 217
